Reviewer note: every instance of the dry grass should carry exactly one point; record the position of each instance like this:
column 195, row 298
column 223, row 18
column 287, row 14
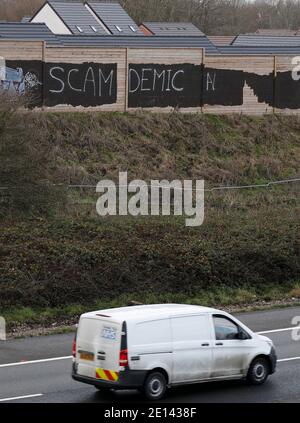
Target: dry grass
column 295, row 293
column 221, row 150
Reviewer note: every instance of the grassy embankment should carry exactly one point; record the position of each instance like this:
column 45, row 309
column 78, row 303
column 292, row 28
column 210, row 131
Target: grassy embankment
column 57, row 266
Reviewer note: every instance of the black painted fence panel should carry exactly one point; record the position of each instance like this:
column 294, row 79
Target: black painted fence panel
column 149, row 85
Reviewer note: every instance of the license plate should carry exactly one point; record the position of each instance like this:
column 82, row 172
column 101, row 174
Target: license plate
column 87, row 356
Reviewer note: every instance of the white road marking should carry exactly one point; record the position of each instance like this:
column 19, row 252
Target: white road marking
column 279, row 330
column 20, row 398
column 283, row 360
column 47, row 360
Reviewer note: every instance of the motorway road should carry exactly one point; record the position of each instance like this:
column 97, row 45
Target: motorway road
column 49, row 381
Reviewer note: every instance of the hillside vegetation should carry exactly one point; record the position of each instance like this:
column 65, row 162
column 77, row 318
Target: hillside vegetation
column 249, row 242
column 222, row 150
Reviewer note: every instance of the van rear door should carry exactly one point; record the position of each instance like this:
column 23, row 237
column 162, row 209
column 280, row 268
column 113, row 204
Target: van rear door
column 98, row 348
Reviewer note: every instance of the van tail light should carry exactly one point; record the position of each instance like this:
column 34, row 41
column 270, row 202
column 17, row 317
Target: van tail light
column 123, row 358
column 74, row 347
column 123, row 362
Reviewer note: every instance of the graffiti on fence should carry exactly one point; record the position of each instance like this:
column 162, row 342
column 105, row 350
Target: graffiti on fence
column 86, row 84
column 20, row 77
column 156, row 85
column 149, row 85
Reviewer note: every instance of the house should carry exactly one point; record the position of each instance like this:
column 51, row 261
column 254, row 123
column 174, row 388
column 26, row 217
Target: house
column 90, row 18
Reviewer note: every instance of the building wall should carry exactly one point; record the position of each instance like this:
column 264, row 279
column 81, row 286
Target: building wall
column 123, row 79
column 54, row 23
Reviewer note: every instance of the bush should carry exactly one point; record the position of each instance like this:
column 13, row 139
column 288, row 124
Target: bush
column 49, row 264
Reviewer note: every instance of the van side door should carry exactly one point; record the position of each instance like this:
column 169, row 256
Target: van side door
column 230, row 352
column 150, row 345
column 192, row 348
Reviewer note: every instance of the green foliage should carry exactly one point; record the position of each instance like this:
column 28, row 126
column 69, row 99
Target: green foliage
column 237, row 298
column 61, row 262
column 249, row 240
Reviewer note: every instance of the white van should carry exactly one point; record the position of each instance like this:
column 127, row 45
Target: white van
column 153, row 347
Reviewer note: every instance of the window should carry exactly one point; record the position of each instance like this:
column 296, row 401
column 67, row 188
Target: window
column 79, row 28
column 225, row 329
column 118, row 28
column 94, row 28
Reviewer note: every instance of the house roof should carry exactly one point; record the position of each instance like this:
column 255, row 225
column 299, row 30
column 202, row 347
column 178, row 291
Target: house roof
column 114, row 16
column 186, row 29
column 77, row 17
column 221, row 40
column 275, row 32
column 40, row 32
column 260, row 50
column 146, row 42
column 27, row 31
column 268, row 41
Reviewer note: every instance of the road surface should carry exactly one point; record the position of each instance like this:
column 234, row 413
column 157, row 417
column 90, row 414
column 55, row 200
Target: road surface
column 38, row 370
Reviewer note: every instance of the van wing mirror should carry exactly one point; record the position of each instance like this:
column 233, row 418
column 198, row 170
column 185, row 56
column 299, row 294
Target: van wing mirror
column 242, row 335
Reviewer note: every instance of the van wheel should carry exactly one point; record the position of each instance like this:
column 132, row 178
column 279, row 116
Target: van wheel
column 155, row 386
column 258, row 371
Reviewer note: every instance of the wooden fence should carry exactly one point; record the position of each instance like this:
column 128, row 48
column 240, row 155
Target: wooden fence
column 160, row 79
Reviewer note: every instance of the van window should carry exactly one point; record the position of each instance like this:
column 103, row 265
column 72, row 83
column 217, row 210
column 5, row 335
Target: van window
column 190, row 328
column 154, row 332
column 225, row 329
